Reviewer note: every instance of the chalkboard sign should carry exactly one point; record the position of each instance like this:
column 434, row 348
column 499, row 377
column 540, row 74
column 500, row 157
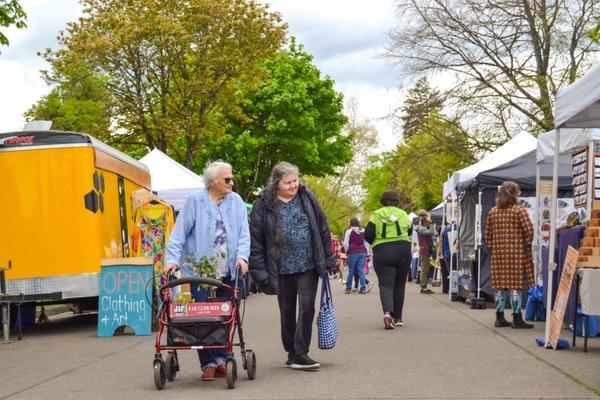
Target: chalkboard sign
column 122, row 297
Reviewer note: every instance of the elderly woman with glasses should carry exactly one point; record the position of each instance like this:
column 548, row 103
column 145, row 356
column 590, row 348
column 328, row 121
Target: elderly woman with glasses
column 213, row 223
column 291, row 248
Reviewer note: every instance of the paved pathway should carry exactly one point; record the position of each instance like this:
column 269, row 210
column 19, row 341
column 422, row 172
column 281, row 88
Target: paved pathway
column 445, row 351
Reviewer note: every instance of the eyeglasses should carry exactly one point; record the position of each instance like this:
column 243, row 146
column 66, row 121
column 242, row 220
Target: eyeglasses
column 228, row 181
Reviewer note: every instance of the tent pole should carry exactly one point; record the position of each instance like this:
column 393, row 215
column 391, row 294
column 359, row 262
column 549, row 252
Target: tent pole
column 479, row 248
column 551, row 262
column 590, row 180
column 536, row 224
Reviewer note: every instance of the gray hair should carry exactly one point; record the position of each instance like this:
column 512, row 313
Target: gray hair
column 279, row 170
column 212, row 169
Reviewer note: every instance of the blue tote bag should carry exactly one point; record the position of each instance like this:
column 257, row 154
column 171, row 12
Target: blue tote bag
column 326, row 324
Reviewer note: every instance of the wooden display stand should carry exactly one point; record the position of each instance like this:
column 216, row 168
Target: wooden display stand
column 589, row 252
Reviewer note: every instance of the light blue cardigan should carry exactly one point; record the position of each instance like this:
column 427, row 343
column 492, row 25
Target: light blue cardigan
column 194, row 231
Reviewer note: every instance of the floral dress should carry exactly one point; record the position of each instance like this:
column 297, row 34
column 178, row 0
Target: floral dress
column 220, row 248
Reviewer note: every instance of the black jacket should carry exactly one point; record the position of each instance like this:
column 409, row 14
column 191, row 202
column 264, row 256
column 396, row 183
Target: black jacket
column 265, row 245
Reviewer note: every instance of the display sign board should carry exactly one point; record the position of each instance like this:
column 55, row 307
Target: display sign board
column 123, row 295
column 562, row 295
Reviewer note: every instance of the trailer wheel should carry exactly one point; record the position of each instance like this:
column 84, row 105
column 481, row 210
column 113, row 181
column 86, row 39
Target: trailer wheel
column 231, row 366
column 251, row 364
column 160, row 378
column 171, row 366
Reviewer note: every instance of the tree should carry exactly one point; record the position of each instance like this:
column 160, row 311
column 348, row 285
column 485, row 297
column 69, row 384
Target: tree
column 172, row 67
column 80, row 102
column 293, row 115
column 420, row 101
column 11, row 13
column 418, row 167
column 508, row 57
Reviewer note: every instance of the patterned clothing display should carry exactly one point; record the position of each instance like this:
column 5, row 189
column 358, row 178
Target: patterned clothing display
column 153, row 224
column 509, row 232
column 297, row 251
column 221, row 250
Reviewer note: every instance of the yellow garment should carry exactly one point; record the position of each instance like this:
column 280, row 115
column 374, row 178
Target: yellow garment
column 154, row 222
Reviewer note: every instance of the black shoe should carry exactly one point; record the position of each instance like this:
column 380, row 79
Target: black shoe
column 426, row 291
column 289, row 361
column 518, row 322
column 304, row 362
column 501, row 322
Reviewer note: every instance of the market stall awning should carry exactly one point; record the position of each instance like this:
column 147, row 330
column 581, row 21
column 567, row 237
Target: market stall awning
column 172, row 181
column 515, row 147
column 578, row 105
column 570, row 140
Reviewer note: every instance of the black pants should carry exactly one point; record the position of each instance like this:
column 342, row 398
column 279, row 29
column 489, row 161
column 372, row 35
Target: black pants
column 445, row 266
column 297, row 292
column 392, row 265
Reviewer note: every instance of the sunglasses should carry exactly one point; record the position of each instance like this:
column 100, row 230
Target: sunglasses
column 228, row 181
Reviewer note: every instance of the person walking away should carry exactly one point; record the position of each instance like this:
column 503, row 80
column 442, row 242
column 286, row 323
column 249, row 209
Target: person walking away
column 509, row 234
column 389, row 231
column 291, row 248
column 425, row 238
column 213, row 223
column 356, row 249
column 414, row 264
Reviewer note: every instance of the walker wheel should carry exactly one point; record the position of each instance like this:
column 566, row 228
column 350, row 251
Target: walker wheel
column 251, row 364
column 171, row 366
column 160, row 378
column 231, row 366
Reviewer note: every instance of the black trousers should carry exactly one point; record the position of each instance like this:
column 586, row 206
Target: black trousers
column 297, row 292
column 391, row 262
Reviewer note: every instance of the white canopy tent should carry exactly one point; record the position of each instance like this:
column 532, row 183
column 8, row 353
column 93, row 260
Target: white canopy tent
column 515, row 147
column 577, row 106
column 170, row 180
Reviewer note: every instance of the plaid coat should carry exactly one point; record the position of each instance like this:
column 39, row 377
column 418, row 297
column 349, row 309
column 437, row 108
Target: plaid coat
column 509, row 232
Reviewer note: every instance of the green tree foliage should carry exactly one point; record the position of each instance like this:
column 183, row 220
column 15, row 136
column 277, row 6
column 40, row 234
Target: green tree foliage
column 420, row 101
column 170, row 66
column 80, row 102
column 594, row 34
column 293, row 115
column 11, row 13
column 419, row 167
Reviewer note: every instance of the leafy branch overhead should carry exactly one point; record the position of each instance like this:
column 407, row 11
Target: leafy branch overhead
column 11, row 13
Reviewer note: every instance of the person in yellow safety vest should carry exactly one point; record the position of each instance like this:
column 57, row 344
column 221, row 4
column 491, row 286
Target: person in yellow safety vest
column 388, row 231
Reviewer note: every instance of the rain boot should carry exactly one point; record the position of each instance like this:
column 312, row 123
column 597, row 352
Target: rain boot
column 501, row 322
column 518, row 322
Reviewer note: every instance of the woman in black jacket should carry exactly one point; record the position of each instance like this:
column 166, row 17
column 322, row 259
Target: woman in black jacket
column 290, row 248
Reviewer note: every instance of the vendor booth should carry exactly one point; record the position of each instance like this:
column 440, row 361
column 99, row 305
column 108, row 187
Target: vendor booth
column 454, row 205
column 171, row 181
column 577, row 106
column 482, row 191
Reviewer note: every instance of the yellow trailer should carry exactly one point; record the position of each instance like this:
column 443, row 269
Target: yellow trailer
column 67, row 203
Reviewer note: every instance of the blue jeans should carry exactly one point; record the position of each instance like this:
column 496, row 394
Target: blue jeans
column 414, row 269
column 356, row 266
column 212, row 358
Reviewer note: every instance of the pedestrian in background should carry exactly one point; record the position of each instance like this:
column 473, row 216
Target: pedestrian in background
column 389, row 231
column 212, row 223
column 356, row 249
column 414, row 264
column 425, row 237
column 291, row 248
column 509, row 233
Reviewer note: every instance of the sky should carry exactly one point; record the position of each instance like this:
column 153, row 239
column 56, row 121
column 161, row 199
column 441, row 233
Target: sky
column 346, row 38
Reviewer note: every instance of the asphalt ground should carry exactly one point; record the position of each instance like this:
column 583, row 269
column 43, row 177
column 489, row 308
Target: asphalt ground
column 444, row 351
